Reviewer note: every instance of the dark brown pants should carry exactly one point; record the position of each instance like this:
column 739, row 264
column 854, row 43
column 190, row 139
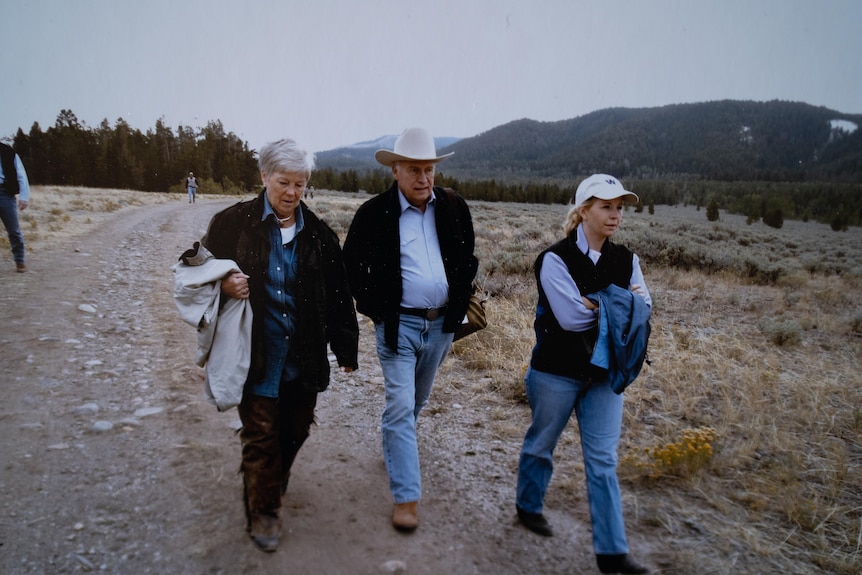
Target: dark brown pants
column 273, row 431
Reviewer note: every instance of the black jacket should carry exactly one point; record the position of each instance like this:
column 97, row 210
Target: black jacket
column 568, row 353
column 372, row 255
column 324, row 304
column 10, row 173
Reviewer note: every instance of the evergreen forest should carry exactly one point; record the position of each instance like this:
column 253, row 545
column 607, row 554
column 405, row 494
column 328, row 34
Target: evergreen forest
column 121, row 157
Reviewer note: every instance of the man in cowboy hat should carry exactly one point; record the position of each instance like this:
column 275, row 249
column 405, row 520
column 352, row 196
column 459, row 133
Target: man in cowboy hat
column 410, row 265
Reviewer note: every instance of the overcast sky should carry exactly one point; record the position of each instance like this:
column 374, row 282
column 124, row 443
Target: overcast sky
column 335, row 72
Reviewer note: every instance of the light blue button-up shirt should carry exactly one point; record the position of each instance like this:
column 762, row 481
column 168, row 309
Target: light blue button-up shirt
column 423, row 277
column 279, row 322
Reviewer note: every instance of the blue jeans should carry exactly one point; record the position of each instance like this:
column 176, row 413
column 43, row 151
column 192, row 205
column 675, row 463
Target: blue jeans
column 9, row 215
column 408, row 378
column 599, row 411
column 192, row 192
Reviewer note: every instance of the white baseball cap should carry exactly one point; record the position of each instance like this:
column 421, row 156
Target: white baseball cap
column 603, row 187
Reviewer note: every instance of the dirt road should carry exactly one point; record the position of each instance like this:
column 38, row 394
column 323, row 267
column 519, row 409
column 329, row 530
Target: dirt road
column 113, row 461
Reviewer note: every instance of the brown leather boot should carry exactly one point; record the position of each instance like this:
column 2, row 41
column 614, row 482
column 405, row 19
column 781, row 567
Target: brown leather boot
column 406, row 516
column 264, row 530
column 261, row 470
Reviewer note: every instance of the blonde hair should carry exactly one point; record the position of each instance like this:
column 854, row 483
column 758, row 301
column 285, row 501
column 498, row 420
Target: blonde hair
column 574, row 217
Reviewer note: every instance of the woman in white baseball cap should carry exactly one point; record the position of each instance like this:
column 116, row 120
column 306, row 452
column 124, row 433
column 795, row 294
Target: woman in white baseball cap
column 561, row 378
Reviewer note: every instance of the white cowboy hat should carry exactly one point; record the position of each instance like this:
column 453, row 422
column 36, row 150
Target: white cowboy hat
column 413, row 144
column 603, row 187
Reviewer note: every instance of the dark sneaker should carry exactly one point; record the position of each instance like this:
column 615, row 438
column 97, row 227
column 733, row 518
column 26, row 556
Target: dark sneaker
column 619, row 564
column 535, row 522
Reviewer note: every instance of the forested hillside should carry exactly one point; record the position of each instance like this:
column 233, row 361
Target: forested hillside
column 770, row 160
column 726, row 140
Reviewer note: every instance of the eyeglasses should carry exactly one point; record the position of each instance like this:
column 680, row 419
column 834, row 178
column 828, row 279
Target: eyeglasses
column 416, row 171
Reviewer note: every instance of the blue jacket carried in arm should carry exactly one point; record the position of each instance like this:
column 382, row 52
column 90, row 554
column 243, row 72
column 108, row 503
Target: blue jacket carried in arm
column 624, row 331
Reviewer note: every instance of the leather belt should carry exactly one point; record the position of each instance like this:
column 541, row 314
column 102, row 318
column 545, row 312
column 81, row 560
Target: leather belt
column 427, row 313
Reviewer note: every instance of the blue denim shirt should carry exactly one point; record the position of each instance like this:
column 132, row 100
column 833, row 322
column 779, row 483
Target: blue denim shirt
column 280, row 310
column 624, row 331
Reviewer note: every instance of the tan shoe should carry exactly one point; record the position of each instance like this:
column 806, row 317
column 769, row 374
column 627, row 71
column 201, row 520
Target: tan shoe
column 406, row 517
column 20, row 268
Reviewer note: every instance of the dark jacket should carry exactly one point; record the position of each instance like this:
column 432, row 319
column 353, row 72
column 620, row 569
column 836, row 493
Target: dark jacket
column 568, row 353
column 372, row 255
column 324, row 304
column 10, row 174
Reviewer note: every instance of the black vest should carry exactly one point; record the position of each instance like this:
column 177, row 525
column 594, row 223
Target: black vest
column 568, row 353
column 10, row 174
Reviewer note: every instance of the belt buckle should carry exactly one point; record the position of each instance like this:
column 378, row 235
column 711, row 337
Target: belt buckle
column 432, row 314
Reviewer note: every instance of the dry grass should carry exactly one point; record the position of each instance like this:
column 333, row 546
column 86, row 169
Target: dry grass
column 745, row 429
column 55, row 212
column 765, row 366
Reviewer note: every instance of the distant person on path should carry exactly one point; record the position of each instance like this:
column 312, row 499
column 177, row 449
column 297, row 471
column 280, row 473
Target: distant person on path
column 561, row 378
column 192, row 187
column 410, row 263
column 296, row 282
column 13, row 182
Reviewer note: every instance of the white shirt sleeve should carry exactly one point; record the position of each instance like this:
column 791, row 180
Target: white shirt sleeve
column 23, row 182
column 564, row 296
column 638, row 279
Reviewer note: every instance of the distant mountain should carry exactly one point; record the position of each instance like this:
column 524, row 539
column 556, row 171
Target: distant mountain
column 360, row 156
column 723, row 140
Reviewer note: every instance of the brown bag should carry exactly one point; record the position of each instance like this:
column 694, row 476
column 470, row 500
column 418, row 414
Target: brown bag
column 475, row 320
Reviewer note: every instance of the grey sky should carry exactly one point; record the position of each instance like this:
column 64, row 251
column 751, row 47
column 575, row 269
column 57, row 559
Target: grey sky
column 335, row 72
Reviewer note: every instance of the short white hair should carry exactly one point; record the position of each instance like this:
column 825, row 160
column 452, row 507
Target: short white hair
column 285, row 156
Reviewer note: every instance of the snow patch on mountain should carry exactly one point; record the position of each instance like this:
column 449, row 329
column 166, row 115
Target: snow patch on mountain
column 382, row 142
column 844, row 126
column 388, row 142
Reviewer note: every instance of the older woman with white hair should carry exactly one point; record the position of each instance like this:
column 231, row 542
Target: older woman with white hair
column 294, row 277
